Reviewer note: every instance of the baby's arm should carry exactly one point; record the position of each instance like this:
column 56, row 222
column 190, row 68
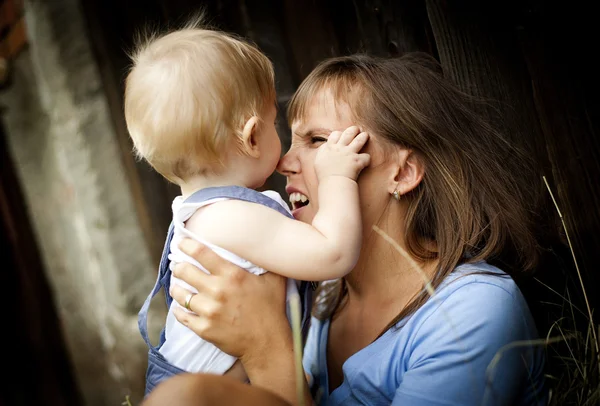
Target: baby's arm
column 327, row 249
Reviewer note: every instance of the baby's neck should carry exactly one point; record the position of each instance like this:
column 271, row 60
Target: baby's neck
column 196, row 183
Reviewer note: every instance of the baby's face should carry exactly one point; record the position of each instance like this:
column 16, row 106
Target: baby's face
column 268, row 143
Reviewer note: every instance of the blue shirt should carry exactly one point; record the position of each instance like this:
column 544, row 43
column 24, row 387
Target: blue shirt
column 467, row 345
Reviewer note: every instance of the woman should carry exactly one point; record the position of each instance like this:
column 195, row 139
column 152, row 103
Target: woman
column 450, row 191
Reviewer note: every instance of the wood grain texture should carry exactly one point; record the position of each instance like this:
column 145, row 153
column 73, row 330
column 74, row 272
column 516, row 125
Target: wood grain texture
column 42, row 372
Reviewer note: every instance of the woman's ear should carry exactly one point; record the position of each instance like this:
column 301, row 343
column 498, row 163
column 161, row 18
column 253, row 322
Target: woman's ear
column 408, row 172
column 249, row 137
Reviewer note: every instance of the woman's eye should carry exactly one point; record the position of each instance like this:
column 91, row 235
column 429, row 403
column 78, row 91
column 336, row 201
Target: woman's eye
column 315, row 140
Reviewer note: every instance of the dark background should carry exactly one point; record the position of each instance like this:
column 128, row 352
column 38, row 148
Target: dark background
column 533, row 58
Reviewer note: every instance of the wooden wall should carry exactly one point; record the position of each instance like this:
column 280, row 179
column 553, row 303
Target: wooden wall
column 532, row 57
column 40, row 370
column 12, row 35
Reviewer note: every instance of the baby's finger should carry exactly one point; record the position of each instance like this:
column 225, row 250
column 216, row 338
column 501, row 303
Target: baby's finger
column 359, row 142
column 364, row 160
column 334, row 137
column 348, row 135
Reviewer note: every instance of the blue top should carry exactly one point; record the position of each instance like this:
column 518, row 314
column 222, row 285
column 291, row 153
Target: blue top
column 467, row 345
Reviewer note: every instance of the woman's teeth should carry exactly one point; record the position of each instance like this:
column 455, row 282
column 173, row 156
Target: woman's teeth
column 298, row 200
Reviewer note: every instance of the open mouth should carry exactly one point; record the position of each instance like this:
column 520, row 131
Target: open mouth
column 298, row 200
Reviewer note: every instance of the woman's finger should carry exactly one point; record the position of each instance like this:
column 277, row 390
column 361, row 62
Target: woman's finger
column 198, row 324
column 348, row 135
column 180, row 295
column 204, row 324
column 199, row 303
column 192, row 276
column 359, row 142
column 205, row 256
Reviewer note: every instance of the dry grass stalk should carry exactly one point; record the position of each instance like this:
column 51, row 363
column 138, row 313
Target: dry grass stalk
column 587, row 303
column 297, row 335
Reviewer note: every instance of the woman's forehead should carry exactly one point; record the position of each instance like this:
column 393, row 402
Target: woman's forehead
column 323, row 111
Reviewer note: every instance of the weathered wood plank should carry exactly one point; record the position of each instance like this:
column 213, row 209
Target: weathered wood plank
column 565, row 92
column 34, row 323
column 152, row 194
column 479, row 49
column 382, row 27
column 310, row 35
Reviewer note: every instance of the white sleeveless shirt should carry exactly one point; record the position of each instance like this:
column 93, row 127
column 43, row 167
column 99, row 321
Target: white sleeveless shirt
column 182, row 347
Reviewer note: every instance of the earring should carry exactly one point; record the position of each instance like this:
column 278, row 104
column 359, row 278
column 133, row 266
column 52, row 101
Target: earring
column 396, row 195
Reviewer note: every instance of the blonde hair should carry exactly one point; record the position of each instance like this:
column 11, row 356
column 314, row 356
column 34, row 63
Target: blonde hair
column 189, row 93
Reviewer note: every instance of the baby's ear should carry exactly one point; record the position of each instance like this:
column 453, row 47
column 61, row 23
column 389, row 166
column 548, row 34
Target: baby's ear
column 249, row 137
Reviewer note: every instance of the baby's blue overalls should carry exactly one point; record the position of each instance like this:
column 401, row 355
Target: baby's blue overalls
column 159, row 368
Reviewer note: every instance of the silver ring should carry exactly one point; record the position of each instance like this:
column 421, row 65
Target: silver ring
column 188, row 299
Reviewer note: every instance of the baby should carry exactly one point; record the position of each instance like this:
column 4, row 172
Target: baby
column 200, row 107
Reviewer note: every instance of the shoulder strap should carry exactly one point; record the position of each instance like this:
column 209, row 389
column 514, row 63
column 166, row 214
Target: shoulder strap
column 236, row 192
column 162, row 278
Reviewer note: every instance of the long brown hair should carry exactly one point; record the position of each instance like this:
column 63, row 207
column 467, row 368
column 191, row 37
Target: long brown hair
column 472, row 201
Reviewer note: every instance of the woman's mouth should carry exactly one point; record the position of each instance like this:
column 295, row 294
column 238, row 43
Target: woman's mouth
column 298, row 200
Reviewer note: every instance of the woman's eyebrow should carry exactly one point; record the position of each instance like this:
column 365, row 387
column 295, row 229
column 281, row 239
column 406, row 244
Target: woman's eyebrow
column 313, row 131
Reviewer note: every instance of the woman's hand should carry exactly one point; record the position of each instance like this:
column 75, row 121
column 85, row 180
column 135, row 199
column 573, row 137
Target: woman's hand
column 241, row 313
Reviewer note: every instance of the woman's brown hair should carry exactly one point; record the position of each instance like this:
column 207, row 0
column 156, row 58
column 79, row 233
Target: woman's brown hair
column 472, row 201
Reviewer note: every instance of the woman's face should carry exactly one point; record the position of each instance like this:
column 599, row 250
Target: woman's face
column 323, row 117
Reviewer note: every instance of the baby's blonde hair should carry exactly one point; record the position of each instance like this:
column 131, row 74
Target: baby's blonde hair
column 189, row 93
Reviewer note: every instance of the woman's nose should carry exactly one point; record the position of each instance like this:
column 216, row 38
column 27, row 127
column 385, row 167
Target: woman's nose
column 289, row 164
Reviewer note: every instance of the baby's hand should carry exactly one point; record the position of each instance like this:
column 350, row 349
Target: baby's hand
column 339, row 156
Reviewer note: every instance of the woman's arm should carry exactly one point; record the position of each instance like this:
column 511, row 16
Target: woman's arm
column 242, row 314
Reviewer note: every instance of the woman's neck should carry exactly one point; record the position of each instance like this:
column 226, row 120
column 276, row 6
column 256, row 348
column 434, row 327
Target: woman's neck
column 385, row 276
